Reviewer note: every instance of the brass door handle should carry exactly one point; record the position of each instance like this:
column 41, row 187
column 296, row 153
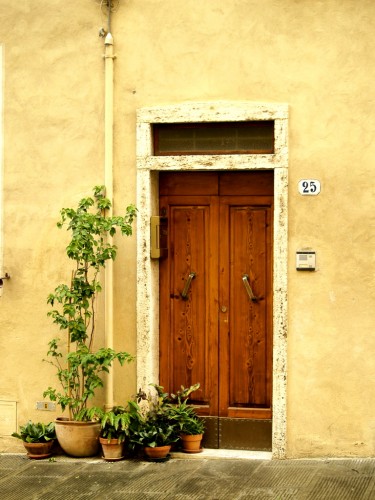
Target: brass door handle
column 185, row 291
column 252, row 297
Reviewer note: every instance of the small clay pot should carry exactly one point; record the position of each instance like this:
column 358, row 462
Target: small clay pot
column 112, row 449
column 39, row 450
column 157, row 452
column 191, row 443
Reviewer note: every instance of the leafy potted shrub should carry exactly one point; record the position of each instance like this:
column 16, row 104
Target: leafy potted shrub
column 151, row 426
column 114, row 429
column 79, row 367
column 190, row 425
column 37, row 438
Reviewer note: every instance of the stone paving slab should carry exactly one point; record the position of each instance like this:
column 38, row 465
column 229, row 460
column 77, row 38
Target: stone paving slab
column 185, row 479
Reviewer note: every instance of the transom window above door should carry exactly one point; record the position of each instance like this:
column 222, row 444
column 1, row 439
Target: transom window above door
column 250, row 137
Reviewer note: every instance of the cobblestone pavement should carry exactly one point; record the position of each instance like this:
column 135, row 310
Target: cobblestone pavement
column 230, row 479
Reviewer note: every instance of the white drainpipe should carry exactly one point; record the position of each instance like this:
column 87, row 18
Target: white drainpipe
column 3, row 274
column 108, row 179
column 1, row 170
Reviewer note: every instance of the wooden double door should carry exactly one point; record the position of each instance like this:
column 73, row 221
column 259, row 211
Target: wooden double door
column 216, row 300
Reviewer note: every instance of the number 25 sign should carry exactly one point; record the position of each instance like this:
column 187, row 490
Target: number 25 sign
column 309, row 187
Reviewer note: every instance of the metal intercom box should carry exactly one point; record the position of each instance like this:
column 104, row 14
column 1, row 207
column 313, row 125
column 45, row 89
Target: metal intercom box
column 305, row 260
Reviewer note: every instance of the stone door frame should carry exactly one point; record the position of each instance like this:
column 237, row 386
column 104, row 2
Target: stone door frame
column 148, row 167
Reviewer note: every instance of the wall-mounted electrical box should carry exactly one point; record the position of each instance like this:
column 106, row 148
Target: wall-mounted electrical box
column 45, row 405
column 305, row 260
column 159, row 237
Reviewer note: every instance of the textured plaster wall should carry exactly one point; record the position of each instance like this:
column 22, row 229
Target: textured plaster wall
column 318, row 57
column 53, row 155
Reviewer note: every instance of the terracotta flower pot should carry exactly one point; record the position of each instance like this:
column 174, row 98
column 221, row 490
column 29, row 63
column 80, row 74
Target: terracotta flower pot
column 112, row 449
column 39, row 450
column 191, row 443
column 78, row 439
column 158, row 452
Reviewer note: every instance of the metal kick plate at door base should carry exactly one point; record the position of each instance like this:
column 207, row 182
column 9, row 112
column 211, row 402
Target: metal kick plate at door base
column 237, row 434
column 245, row 434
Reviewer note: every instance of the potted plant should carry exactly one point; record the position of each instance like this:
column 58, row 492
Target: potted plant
column 114, row 428
column 79, row 366
column 37, row 438
column 190, row 425
column 191, row 431
column 151, row 426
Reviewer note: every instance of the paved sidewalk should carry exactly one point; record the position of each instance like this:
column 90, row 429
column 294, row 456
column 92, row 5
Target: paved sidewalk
column 63, row 478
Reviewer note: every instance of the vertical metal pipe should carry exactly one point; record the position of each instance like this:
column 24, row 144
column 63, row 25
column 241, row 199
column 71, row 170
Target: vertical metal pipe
column 1, row 173
column 108, row 178
column 109, row 5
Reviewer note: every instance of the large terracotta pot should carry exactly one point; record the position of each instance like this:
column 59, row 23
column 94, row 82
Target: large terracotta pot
column 191, row 443
column 78, row 439
column 112, row 449
column 158, row 452
column 39, row 450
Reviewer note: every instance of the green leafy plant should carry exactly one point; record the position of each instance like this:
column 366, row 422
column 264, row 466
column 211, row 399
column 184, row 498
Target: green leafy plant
column 183, row 414
column 158, row 418
column 36, row 432
column 115, row 423
column 79, row 367
column 150, row 422
column 187, row 420
column 154, row 434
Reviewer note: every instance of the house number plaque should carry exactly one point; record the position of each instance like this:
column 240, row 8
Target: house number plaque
column 309, row 187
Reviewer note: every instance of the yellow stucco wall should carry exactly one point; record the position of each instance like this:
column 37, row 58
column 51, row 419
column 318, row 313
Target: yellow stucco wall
column 316, row 56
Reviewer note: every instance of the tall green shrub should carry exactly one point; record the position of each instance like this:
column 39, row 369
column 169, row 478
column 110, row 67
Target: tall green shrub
column 79, row 368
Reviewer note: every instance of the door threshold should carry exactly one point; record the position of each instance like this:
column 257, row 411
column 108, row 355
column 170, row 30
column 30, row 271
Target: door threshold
column 212, row 453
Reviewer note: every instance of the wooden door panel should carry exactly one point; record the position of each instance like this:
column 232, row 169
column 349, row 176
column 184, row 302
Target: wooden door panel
column 246, row 345
column 247, row 318
column 218, row 336
column 188, row 333
column 188, row 317
column 188, row 183
column 246, row 183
